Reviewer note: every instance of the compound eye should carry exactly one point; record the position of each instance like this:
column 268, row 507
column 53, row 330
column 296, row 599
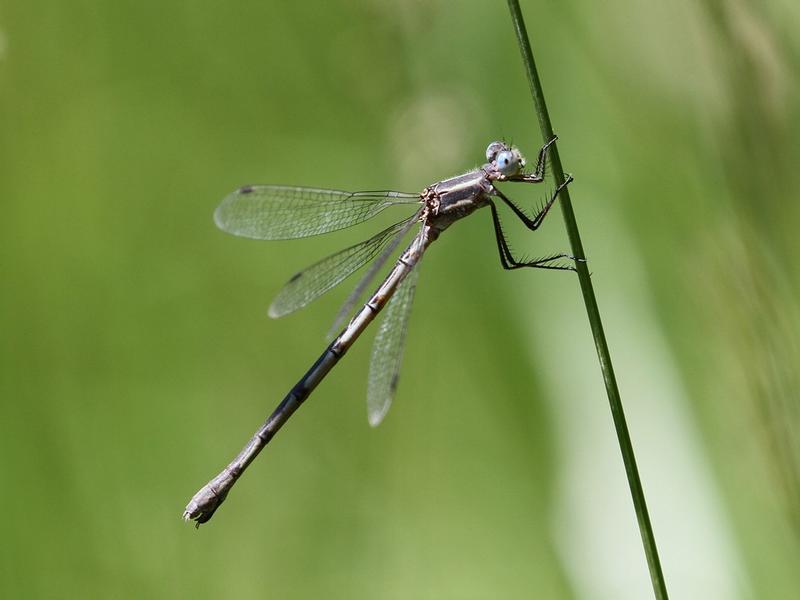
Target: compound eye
column 493, row 149
column 508, row 162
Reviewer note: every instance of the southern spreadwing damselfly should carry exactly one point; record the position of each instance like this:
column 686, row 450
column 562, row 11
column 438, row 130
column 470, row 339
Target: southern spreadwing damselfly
column 271, row 212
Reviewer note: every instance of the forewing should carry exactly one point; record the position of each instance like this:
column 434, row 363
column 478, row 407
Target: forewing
column 309, row 284
column 387, row 350
column 275, row 212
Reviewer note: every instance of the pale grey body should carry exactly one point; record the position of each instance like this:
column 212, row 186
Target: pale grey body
column 442, row 204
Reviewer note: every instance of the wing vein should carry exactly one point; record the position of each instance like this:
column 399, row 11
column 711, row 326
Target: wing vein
column 275, row 212
column 387, row 350
column 307, row 285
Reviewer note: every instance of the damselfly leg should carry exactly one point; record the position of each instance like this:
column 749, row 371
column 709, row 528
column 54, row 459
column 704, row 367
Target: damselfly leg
column 510, row 263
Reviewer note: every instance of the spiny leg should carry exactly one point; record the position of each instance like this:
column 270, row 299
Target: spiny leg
column 509, row 262
column 533, row 224
column 538, row 175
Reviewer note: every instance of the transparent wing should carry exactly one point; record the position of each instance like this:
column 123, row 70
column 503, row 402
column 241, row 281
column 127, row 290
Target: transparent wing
column 311, row 283
column 387, row 350
column 276, row 212
column 358, row 291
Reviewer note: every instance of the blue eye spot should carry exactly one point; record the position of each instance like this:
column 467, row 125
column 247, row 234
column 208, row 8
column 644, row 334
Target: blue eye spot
column 508, row 162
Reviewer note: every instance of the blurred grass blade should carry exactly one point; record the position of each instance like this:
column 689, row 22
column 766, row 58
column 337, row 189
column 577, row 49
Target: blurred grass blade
column 645, row 528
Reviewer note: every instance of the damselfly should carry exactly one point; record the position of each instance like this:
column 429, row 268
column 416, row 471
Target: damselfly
column 270, row 212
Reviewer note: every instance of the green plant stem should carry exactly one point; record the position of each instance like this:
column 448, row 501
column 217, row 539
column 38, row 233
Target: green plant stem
column 645, row 528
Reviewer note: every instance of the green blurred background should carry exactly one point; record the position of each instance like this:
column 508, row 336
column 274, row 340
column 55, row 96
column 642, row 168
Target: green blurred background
column 137, row 356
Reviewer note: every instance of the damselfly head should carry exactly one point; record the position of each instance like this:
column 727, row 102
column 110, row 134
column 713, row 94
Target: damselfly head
column 507, row 159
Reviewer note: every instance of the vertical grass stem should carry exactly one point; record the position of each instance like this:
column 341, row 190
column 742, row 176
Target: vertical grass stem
column 628, row 457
